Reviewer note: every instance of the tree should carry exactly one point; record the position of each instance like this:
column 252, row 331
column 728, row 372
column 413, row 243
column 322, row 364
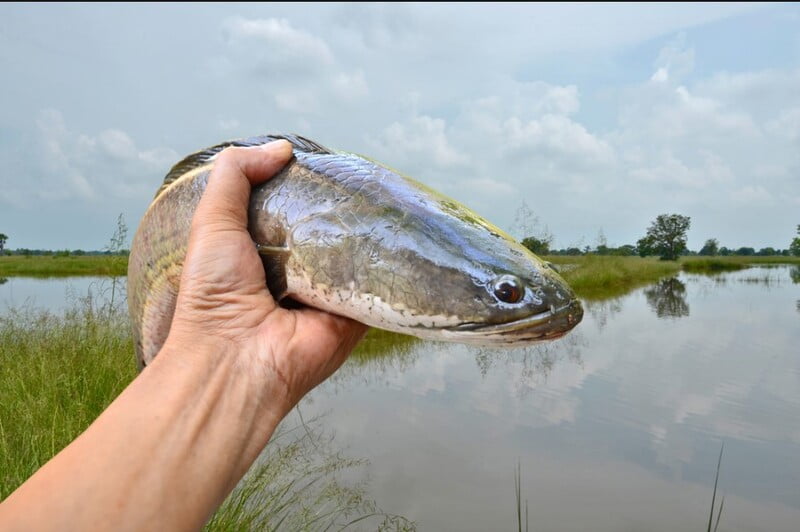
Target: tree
column 665, row 237
column 3, row 238
column 536, row 245
column 794, row 247
column 626, row 250
column 711, row 247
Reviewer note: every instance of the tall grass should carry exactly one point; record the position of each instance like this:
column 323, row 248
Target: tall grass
column 714, row 495
column 712, row 265
column 63, row 266
column 297, row 484
column 58, row 373
column 597, row 277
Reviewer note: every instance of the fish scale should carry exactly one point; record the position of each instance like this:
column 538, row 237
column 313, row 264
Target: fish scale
column 347, row 235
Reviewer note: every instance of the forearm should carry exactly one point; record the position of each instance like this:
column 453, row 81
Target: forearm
column 163, row 455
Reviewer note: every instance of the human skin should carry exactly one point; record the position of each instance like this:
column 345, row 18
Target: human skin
column 172, row 446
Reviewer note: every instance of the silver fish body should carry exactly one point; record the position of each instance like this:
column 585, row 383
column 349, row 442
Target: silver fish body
column 344, row 234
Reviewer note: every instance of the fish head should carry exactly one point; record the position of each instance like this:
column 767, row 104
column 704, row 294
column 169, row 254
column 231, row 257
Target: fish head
column 416, row 262
column 516, row 297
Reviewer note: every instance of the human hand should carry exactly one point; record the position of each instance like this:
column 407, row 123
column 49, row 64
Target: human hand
column 223, row 304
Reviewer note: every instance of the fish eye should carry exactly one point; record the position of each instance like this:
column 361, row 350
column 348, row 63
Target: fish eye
column 508, row 289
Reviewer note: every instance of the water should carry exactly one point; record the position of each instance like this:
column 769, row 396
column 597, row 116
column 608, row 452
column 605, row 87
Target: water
column 53, row 293
column 617, row 426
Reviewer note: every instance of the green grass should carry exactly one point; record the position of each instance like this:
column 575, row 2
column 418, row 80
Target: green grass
column 297, row 485
column 62, row 266
column 596, row 277
column 58, row 373
column 711, row 265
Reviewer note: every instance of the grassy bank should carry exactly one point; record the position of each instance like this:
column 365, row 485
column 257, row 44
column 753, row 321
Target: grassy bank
column 596, row 277
column 59, row 372
column 62, row 266
column 711, row 265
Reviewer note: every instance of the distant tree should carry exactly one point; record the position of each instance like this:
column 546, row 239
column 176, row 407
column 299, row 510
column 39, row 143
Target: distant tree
column 794, row 247
column 3, row 238
column 767, row 252
column 711, row 247
column 724, row 251
column 536, row 245
column 745, row 252
column 572, row 251
column 625, row 250
column 666, row 237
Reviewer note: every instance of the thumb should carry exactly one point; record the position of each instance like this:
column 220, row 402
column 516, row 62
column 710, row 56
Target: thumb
column 223, row 206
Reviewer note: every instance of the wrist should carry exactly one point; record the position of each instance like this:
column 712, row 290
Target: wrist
column 221, row 374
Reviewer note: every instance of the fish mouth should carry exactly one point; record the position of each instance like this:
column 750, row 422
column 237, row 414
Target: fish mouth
column 548, row 325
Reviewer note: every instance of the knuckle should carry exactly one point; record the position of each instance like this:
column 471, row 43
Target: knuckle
column 230, row 155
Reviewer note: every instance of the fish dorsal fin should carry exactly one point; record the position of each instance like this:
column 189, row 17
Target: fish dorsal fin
column 203, row 157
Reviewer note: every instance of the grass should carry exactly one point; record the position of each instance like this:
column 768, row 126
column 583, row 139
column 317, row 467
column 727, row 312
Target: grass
column 712, row 265
column 59, row 372
column 297, row 485
column 63, row 266
column 714, row 495
column 598, row 277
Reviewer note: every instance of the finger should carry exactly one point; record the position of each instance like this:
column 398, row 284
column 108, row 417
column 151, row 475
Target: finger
column 236, row 170
column 330, row 331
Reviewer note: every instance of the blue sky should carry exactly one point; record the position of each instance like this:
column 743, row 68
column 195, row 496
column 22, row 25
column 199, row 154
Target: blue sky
column 599, row 116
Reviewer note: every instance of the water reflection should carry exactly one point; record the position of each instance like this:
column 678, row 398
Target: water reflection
column 531, row 365
column 601, row 311
column 794, row 273
column 379, row 354
column 3, row 280
column 668, row 298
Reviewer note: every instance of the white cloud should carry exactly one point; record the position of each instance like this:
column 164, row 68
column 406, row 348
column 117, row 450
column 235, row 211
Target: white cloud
column 89, row 167
column 290, row 68
column 276, row 42
column 351, row 86
column 422, row 138
column 559, row 137
column 675, row 60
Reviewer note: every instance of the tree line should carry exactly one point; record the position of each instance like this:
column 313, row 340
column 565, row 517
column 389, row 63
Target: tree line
column 665, row 238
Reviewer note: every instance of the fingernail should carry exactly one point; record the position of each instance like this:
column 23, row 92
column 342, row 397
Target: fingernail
column 276, row 145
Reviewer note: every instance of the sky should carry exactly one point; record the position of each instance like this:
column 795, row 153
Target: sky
column 597, row 117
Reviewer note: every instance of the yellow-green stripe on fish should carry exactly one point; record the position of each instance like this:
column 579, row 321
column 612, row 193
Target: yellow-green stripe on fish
column 345, row 234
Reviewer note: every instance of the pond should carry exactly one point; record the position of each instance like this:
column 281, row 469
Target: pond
column 617, row 426
column 54, row 293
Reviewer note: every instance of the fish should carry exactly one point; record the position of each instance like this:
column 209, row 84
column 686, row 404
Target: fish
column 345, row 234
